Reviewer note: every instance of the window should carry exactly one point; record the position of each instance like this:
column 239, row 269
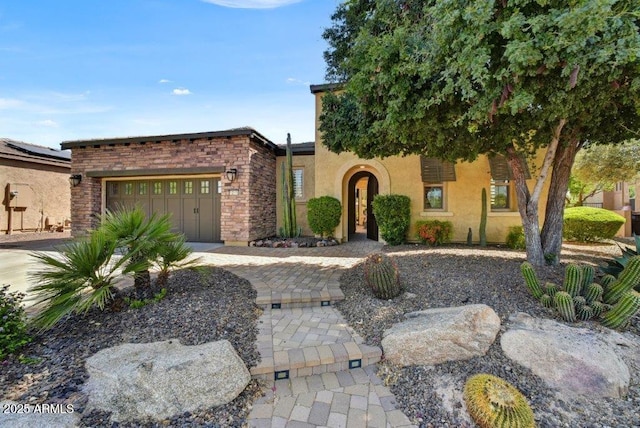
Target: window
column 204, row 187
column 188, row 187
column 435, row 174
column 434, row 197
column 113, row 189
column 128, row 188
column 157, row 188
column 298, row 183
column 173, row 187
column 500, row 194
column 142, row 188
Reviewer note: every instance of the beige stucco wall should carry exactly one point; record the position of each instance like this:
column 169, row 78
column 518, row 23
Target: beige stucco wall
column 307, row 163
column 401, row 175
column 43, row 193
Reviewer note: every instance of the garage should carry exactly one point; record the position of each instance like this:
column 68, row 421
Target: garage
column 193, row 203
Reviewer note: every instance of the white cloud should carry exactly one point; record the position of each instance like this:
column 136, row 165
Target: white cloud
column 252, row 4
column 181, row 91
column 48, row 123
column 164, row 81
column 9, row 103
column 294, row 81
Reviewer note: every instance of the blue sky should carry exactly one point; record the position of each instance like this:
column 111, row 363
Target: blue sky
column 78, row 69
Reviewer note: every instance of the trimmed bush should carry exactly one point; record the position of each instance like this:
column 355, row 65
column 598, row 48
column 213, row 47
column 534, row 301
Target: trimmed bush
column 393, row 214
column 586, row 224
column 515, row 238
column 13, row 327
column 434, row 232
column 323, row 215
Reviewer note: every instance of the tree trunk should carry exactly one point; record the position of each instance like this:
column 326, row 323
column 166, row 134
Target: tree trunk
column 552, row 230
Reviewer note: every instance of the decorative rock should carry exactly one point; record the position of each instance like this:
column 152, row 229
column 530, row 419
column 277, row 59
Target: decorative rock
column 321, row 244
column 279, row 244
column 435, row 336
column 576, row 361
column 162, row 379
column 22, row 415
column 259, row 243
column 294, row 245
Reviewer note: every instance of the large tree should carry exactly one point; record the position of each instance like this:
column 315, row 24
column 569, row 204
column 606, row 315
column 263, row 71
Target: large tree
column 459, row 78
column 600, row 167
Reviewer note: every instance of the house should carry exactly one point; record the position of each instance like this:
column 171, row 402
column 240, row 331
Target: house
column 620, row 201
column 35, row 180
column 225, row 186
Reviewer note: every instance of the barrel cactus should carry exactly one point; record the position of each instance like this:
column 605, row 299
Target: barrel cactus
column 381, row 275
column 493, row 402
column 531, row 280
column 628, row 279
column 621, row 313
column 565, row 305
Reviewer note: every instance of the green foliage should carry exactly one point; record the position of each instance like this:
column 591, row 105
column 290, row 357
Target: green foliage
column 493, row 402
column 483, row 219
column 617, row 264
column 382, row 276
column 289, row 228
column 393, row 214
column 434, row 232
column 173, row 255
column 515, row 238
column 137, row 303
column 13, row 325
column 323, row 215
column 587, row 224
column 584, row 302
column 455, row 80
column 84, row 273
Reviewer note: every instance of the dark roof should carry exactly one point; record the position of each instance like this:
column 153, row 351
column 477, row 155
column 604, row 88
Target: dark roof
column 21, row 151
column 297, row 149
column 246, row 131
column 325, row 87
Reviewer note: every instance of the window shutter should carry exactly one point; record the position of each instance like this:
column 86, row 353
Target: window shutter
column 435, row 170
column 501, row 171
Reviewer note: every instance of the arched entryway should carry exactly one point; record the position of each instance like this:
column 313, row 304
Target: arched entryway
column 363, row 186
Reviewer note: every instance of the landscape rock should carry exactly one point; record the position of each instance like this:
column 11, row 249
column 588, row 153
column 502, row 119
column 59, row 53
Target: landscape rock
column 575, row 361
column 162, row 379
column 438, row 335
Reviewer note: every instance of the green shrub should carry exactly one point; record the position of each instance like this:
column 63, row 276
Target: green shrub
column 393, row 214
column 434, row 232
column 586, row 224
column 515, row 238
column 13, row 328
column 323, row 215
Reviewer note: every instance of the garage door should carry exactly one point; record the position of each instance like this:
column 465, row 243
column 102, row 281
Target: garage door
column 194, row 203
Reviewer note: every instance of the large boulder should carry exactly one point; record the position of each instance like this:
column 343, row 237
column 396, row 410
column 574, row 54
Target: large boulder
column 162, row 379
column 570, row 359
column 435, row 336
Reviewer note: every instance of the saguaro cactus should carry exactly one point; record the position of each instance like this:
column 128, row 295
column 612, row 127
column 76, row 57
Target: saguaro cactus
column 483, row 219
column 289, row 221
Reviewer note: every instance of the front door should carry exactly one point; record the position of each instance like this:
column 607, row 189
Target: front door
column 354, row 204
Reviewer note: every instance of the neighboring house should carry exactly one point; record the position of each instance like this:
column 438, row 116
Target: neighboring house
column 35, row 183
column 619, row 201
column 225, row 186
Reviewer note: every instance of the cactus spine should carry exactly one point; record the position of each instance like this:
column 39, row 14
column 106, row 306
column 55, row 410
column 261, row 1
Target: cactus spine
column 564, row 304
column 493, row 402
column 607, row 280
column 547, row 301
column 585, row 313
column 622, row 311
column 628, row 279
column 593, row 292
column 289, row 222
column 573, row 280
column 531, row 279
column 483, row 220
column 381, row 275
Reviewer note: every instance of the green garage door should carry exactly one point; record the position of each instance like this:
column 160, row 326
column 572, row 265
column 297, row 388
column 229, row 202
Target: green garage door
column 194, row 203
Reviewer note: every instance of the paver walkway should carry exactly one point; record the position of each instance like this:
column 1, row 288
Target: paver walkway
column 325, row 373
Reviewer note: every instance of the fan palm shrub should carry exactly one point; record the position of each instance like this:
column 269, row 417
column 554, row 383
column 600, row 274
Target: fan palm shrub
column 171, row 255
column 80, row 277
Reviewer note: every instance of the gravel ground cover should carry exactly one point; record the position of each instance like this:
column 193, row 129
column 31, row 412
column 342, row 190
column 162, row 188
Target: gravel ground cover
column 199, row 307
column 455, row 276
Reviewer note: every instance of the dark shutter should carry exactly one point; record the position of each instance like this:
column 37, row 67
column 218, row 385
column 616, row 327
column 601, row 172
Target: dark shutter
column 435, row 170
column 501, row 171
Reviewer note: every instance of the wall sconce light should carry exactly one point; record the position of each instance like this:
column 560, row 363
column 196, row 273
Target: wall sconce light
column 13, row 194
column 231, row 174
column 75, row 179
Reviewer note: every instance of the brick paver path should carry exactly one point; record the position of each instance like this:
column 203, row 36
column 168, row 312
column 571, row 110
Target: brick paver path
column 312, row 342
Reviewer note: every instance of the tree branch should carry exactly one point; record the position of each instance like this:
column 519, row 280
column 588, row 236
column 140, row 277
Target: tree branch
column 548, row 160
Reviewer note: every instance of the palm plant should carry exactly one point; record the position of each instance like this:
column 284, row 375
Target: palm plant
column 140, row 237
column 82, row 276
column 173, row 254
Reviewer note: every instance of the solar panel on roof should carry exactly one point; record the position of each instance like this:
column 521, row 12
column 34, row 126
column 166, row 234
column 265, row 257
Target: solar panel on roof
column 40, row 151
